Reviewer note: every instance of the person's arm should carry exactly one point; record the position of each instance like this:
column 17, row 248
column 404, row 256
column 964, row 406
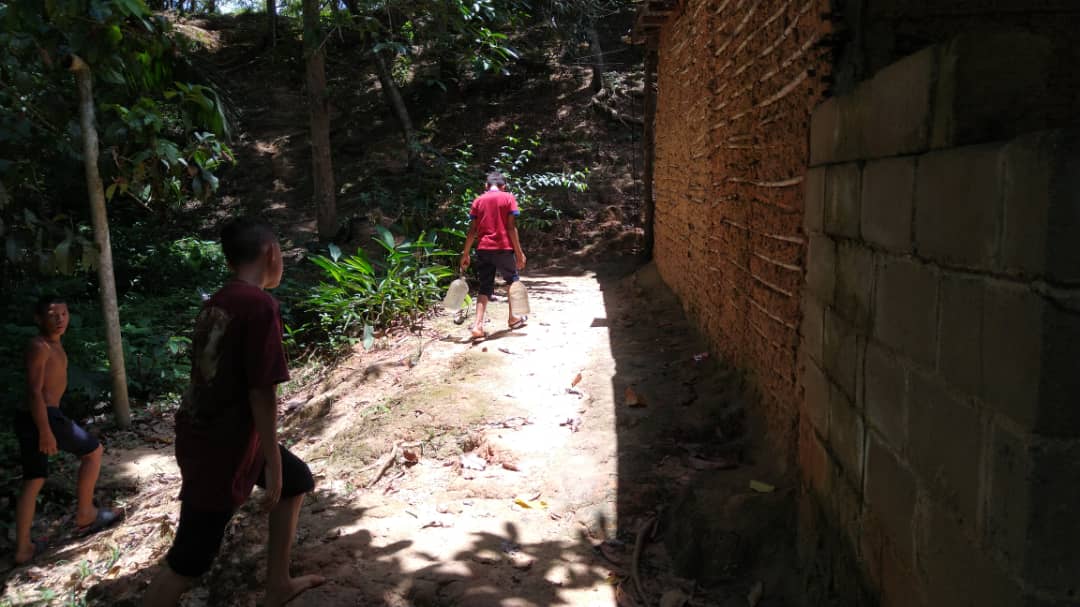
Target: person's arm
column 264, row 411
column 37, row 354
column 469, row 238
column 512, row 232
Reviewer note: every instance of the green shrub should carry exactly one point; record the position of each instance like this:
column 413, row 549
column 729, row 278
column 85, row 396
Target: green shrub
column 359, row 295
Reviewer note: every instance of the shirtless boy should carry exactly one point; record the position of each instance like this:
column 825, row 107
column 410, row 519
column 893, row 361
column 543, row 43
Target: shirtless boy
column 42, row 430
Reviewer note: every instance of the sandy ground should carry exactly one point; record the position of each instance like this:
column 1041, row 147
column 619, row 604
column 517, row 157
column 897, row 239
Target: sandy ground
column 514, row 472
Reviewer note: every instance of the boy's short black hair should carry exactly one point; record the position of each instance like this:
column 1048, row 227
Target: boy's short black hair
column 496, row 178
column 43, row 303
column 242, row 239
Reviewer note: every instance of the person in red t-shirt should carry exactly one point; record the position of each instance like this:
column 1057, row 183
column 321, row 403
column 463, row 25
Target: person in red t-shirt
column 498, row 248
column 226, row 428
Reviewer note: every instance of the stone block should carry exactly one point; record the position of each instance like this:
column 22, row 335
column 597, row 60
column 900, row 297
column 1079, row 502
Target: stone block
column 957, row 200
column 814, row 463
column 841, row 354
column 815, row 396
column 954, row 569
column 846, row 435
column 1053, row 560
column 960, row 341
column 814, row 215
column 821, row 268
column 890, row 492
column 837, row 128
column 812, row 326
column 843, row 188
column 825, row 132
column 946, row 445
column 901, row 98
column 888, row 191
column 994, row 86
column 886, row 396
column 854, row 284
column 905, row 302
column 1058, row 415
column 1012, row 344
column 1041, row 189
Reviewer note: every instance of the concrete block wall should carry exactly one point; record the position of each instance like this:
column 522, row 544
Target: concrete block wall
column 737, row 82
column 939, row 434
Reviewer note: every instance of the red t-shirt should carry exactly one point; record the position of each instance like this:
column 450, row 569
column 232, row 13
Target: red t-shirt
column 491, row 211
column 236, row 347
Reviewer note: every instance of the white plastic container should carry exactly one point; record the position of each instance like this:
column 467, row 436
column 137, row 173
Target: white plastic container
column 455, row 295
column 519, row 299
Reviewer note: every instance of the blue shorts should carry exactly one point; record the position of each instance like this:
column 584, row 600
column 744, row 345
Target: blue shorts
column 488, row 262
column 69, row 437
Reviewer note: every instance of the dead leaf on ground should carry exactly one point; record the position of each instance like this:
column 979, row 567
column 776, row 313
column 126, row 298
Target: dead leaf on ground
column 411, row 456
column 576, row 380
column 698, row 463
column 761, row 487
column 673, row 598
column 531, row 504
column 574, row 423
column 632, row 398
column 755, row 594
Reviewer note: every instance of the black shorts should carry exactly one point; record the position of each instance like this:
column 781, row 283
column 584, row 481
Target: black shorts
column 69, row 437
column 199, row 533
column 488, row 262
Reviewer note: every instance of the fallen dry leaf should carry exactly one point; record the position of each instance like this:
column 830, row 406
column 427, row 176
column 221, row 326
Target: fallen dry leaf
column 410, row 455
column 755, row 594
column 576, row 380
column 632, row 398
column 761, row 487
column 531, row 504
column 673, row 598
column 698, row 463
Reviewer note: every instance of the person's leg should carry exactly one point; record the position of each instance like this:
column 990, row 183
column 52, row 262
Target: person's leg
column 24, row 519
column 89, row 468
column 296, row 481
column 507, row 266
column 485, row 270
column 35, row 467
column 198, row 539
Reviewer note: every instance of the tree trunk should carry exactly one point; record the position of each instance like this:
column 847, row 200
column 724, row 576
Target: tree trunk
column 271, row 21
column 319, row 107
column 100, row 220
column 650, row 145
column 393, row 98
column 597, row 58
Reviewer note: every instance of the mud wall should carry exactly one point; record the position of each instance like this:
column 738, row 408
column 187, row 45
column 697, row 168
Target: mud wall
column 940, row 437
column 736, row 84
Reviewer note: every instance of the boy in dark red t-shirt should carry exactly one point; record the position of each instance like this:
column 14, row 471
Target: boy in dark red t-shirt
column 498, row 248
column 226, row 428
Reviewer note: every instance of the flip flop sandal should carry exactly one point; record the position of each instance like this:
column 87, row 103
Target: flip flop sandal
column 476, row 338
column 105, row 518
column 520, row 322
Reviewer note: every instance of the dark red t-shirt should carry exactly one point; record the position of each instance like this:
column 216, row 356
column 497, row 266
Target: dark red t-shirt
column 491, row 211
column 236, row 347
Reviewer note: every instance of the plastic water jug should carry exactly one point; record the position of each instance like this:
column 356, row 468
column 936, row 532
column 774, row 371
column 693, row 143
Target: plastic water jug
column 455, row 295
column 519, row 299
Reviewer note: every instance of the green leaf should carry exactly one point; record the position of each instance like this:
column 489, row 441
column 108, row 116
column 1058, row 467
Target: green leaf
column 335, row 251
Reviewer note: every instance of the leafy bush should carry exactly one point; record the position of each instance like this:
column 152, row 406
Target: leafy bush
column 360, row 295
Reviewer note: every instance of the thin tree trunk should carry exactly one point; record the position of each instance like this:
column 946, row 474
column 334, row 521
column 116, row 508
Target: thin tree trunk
column 650, row 146
column 393, row 98
column 597, row 58
column 319, row 106
column 271, row 21
column 100, row 220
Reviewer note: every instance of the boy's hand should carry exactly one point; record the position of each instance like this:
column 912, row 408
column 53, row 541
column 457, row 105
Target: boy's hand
column 47, row 443
column 464, row 263
column 521, row 261
column 273, row 487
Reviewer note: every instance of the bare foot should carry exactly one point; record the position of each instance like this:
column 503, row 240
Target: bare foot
column 280, row 594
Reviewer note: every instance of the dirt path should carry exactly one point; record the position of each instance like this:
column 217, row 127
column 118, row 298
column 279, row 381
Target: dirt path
column 513, row 485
